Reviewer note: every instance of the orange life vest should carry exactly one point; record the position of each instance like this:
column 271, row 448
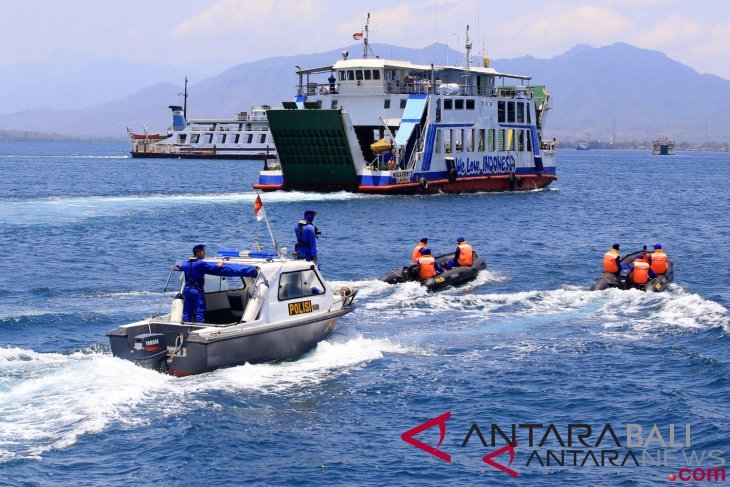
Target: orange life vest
column 466, row 254
column 640, row 274
column 659, row 261
column 417, row 251
column 609, row 260
column 426, row 267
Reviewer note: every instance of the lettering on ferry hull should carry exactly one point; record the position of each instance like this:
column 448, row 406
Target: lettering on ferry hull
column 487, row 165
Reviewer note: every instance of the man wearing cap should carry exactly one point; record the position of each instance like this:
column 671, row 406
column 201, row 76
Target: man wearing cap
column 612, row 260
column 306, row 233
column 195, row 269
column 416, row 254
column 658, row 260
column 427, row 265
column 463, row 256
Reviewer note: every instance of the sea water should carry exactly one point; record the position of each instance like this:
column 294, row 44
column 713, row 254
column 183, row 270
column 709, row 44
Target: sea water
column 89, row 235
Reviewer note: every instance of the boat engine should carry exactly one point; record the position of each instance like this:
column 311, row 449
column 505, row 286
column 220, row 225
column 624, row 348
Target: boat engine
column 150, row 351
column 623, row 279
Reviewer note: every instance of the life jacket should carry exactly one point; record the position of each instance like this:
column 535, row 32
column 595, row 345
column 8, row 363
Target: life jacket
column 417, row 251
column 609, row 261
column 426, row 267
column 190, row 281
column 299, row 231
column 659, row 261
column 640, row 274
column 466, row 254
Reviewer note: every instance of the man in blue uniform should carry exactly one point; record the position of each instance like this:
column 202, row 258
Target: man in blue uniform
column 306, row 233
column 195, row 269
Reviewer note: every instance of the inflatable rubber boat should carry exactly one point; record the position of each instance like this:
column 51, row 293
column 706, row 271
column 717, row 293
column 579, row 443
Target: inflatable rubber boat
column 451, row 277
column 657, row 284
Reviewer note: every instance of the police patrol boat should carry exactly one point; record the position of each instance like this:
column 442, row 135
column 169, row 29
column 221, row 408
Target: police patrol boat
column 246, row 136
column 393, row 127
column 451, row 277
column 280, row 313
column 622, row 281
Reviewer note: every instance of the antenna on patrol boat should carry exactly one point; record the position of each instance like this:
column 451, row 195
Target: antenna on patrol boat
column 468, row 48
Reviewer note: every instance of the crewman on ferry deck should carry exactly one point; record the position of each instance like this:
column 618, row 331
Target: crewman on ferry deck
column 427, row 265
column 416, row 254
column 658, row 260
column 332, row 80
column 306, row 233
column 463, row 256
column 612, row 260
column 194, row 270
column 640, row 271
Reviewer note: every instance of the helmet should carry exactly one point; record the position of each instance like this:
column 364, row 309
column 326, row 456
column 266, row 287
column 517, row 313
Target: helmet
column 615, row 246
column 424, row 240
column 460, row 239
column 657, row 246
column 198, row 248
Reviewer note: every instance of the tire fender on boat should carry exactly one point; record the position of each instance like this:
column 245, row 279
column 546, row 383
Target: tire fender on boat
column 453, row 174
column 511, row 181
column 423, row 182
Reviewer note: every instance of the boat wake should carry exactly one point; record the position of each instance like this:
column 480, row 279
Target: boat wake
column 49, row 400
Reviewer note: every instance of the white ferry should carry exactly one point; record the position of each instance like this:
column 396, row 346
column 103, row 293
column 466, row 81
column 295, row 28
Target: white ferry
column 246, row 136
column 393, row 127
column 663, row 146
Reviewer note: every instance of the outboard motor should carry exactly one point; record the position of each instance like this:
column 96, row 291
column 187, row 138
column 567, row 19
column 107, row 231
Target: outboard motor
column 623, row 280
column 150, row 351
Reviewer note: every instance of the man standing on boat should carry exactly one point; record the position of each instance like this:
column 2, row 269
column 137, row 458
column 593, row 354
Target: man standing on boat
column 195, row 269
column 306, row 234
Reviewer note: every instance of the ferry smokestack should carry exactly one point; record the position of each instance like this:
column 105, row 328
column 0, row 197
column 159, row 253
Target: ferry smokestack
column 178, row 117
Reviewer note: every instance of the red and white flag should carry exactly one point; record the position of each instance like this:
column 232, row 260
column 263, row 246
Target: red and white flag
column 357, row 36
column 258, row 208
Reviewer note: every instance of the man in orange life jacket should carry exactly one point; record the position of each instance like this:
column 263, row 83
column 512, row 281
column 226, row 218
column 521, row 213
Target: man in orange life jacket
column 658, row 260
column 416, row 254
column 463, row 256
column 612, row 260
column 640, row 270
column 427, row 265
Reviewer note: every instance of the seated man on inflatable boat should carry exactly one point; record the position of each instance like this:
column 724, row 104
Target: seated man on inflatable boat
column 463, row 256
column 427, row 265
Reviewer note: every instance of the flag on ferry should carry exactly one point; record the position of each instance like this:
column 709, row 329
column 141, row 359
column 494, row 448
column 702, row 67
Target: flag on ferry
column 258, row 209
column 357, row 36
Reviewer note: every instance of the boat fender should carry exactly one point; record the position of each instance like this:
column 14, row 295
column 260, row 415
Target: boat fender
column 423, row 182
column 511, row 181
column 518, row 180
column 254, row 304
column 346, row 291
column 453, row 174
column 176, row 312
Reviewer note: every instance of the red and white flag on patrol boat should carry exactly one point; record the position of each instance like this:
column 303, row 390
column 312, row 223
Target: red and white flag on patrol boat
column 357, row 36
column 258, row 209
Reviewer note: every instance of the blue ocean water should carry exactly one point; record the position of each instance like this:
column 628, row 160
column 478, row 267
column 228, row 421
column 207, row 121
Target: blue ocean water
column 89, row 236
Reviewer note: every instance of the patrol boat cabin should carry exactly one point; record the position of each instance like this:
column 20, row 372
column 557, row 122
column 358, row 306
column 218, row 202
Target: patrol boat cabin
column 384, row 126
column 280, row 313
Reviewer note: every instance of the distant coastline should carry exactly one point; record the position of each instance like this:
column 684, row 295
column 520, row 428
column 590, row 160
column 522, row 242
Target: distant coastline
column 28, row 136
column 645, row 145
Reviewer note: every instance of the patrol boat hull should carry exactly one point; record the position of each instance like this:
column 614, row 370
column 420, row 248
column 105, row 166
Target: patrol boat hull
column 657, row 284
column 452, row 277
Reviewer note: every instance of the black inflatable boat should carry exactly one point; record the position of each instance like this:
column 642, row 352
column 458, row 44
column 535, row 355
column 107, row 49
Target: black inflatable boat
column 452, row 277
column 657, row 284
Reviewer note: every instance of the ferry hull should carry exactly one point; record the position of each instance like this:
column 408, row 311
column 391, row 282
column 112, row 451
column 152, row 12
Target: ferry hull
column 191, row 155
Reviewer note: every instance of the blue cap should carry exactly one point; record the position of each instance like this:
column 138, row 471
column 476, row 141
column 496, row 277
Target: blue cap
column 198, row 248
column 460, row 239
column 310, row 213
column 615, row 246
column 424, row 240
column 657, row 246
column 425, row 250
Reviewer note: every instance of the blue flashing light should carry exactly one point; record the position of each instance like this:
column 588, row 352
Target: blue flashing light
column 229, row 253
column 263, row 255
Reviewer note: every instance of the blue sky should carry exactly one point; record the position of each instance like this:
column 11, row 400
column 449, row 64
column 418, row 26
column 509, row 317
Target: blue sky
column 228, row 32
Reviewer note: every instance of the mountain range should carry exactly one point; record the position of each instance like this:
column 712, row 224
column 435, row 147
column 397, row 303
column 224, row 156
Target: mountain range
column 642, row 92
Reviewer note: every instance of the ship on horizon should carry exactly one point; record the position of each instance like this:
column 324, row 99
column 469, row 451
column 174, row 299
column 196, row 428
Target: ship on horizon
column 664, row 146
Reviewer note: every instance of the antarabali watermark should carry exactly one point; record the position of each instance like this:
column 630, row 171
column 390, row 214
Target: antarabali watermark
column 515, row 448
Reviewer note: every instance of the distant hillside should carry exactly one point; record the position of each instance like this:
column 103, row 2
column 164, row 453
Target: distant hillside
column 643, row 91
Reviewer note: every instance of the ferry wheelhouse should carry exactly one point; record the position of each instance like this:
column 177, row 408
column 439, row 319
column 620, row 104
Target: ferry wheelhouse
column 392, row 127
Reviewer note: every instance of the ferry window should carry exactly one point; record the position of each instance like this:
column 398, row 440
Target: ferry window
column 358, row 74
column 448, row 104
column 529, row 114
column 181, row 138
column 460, row 140
column 368, row 74
column 470, row 104
column 343, row 76
column 376, row 134
column 438, row 141
column 511, row 139
column 520, row 140
column 195, row 138
column 500, row 140
column 450, row 142
column 236, row 138
column 220, row 139
column 334, row 104
column 459, row 104
column 386, row 103
column 208, row 138
column 520, row 112
column 403, row 102
column 510, row 111
column 470, row 142
column 350, row 75
column 376, row 74
column 262, row 138
column 299, row 284
column 490, row 139
column 250, row 138
column 528, row 140
column 500, row 112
